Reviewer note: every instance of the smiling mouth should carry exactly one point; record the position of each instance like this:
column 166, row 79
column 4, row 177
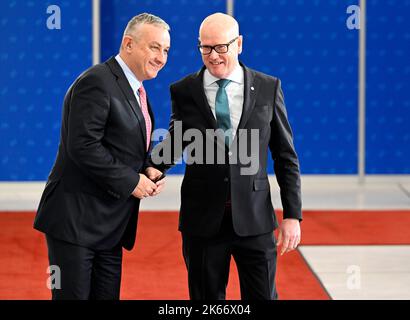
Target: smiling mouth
column 216, row 63
column 155, row 66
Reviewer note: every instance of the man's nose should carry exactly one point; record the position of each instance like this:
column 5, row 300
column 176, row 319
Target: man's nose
column 162, row 57
column 213, row 54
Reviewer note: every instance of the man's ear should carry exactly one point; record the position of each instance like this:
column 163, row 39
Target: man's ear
column 127, row 43
column 240, row 42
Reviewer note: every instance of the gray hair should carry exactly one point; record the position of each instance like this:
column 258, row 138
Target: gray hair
column 144, row 18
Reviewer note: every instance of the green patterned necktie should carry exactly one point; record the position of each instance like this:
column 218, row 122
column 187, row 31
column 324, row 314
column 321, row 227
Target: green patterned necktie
column 223, row 118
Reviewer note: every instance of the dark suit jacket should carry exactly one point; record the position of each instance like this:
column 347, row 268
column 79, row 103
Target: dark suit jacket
column 87, row 199
column 205, row 188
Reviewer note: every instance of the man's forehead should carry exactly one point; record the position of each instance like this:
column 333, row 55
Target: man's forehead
column 218, row 38
column 159, row 35
column 153, row 30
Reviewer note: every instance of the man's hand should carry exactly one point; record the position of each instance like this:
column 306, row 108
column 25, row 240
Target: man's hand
column 289, row 235
column 144, row 188
column 154, row 174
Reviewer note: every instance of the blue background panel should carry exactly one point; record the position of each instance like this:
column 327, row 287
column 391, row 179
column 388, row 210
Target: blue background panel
column 388, row 87
column 37, row 67
column 305, row 43
column 308, row 46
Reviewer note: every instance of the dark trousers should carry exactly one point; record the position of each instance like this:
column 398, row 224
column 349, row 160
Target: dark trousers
column 85, row 274
column 208, row 261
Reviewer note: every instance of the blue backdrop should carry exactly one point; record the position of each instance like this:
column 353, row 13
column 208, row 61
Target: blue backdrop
column 37, row 67
column 306, row 43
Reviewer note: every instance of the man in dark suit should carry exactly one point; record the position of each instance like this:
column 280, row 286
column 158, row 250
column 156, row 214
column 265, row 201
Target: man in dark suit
column 89, row 208
column 226, row 207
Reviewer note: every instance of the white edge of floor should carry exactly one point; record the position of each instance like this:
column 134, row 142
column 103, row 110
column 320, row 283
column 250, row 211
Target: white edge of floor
column 318, row 191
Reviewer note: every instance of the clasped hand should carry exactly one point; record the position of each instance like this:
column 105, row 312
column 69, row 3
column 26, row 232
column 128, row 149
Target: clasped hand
column 146, row 186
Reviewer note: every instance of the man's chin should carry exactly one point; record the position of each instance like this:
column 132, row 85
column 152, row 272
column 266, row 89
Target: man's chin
column 152, row 75
column 217, row 72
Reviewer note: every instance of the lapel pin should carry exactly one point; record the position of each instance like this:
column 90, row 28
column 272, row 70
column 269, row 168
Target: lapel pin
column 252, row 88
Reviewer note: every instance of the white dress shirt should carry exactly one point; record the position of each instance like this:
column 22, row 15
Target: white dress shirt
column 132, row 79
column 234, row 91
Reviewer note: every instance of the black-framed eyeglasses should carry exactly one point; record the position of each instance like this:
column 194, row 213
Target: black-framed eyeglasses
column 219, row 48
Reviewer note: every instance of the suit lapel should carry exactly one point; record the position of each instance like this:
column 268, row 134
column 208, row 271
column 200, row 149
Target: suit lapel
column 198, row 93
column 129, row 94
column 151, row 114
column 250, row 93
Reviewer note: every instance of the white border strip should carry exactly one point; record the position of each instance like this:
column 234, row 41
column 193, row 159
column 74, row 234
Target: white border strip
column 96, row 32
column 362, row 94
column 380, row 192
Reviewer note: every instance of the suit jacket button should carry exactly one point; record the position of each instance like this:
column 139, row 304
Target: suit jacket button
column 226, row 179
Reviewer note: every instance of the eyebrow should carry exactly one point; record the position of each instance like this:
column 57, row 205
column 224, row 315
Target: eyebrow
column 158, row 44
column 208, row 45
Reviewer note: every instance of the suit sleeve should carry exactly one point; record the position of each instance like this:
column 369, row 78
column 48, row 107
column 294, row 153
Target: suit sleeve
column 166, row 154
column 286, row 163
column 88, row 115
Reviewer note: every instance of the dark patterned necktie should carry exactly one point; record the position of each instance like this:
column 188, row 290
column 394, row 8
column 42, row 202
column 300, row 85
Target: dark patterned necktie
column 223, row 118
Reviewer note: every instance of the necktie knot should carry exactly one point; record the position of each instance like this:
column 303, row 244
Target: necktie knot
column 223, row 83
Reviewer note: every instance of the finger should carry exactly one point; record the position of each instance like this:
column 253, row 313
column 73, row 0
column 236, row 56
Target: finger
column 149, row 174
column 145, row 191
column 152, row 173
column 147, row 181
column 292, row 244
column 297, row 241
column 139, row 193
column 160, row 182
column 152, row 187
column 279, row 238
column 156, row 192
column 285, row 245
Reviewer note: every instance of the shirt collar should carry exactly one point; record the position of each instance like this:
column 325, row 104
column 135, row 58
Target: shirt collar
column 236, row 76
column 132, row 79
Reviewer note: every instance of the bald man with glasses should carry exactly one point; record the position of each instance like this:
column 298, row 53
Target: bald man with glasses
column 225, row 210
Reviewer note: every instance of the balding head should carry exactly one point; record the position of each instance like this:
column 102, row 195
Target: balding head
column 220, row 22
column 220, row 29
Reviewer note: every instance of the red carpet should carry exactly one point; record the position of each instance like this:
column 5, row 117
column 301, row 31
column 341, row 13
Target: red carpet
column 387, row 227
column 155, row 269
